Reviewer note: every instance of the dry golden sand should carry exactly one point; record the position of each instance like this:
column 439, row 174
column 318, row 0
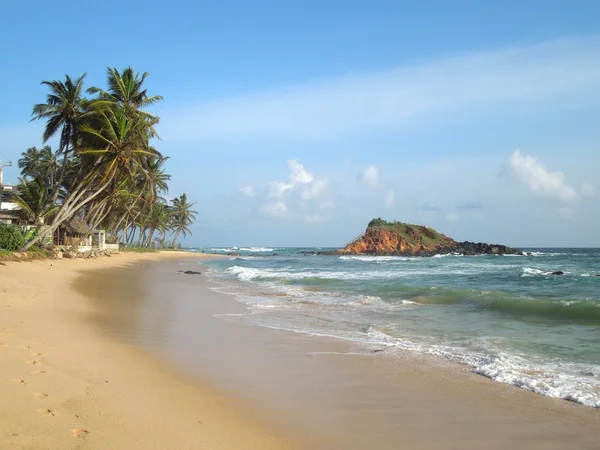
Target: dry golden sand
column 64, row 385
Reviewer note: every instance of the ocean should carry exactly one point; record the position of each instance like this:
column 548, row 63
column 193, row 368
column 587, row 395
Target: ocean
column 506, row 317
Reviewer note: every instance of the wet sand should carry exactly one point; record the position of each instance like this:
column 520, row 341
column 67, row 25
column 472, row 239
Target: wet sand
column 65, row 385
column 322, row 390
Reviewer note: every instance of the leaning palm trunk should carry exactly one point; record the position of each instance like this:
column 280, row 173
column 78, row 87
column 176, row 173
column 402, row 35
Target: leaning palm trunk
column 70, row 206
column 150, row 236
column 175, row 238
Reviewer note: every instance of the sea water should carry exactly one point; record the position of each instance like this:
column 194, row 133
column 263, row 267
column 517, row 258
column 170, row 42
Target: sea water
column 507, row 317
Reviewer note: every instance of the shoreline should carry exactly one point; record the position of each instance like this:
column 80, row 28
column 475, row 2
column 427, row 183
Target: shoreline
column 322, row 389
column 64, row 385
column 169, row 353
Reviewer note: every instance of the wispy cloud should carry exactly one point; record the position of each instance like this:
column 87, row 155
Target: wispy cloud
column 386, row 99
column 369, row 176
column 248, row 190
column 588, row 189
column 389, row 198
column 452, row 216
column 470, row 206
column 429, row 208
column 275, row 209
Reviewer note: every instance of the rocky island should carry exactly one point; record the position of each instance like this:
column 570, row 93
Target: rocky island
column 398, row 238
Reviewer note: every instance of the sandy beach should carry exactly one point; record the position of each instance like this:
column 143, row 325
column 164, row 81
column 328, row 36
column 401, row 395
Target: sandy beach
column 129, row 352
column 64, row 385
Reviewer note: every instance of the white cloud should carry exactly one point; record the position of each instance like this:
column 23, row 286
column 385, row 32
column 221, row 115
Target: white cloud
column 327, row 204
column 298, row 174
column 588, row 189
column 566, row 212
column 429, row 207
column 314, row 190
column 388, row 99
column 249, row 190
column 300, row 196
column 531, row 172
column 278, row 188
column 313, row 218
column 369, row 176
column 276, row 209
column 452, row 217
column 390, row 197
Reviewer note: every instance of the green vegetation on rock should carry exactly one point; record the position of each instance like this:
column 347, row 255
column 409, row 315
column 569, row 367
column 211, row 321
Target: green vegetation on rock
column 411, row 233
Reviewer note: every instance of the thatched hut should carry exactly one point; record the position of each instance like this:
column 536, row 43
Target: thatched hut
column 74, row 232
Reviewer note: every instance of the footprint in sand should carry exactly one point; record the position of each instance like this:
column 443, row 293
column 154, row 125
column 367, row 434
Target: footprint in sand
column 36, row 372
column 35, row 363
column 18, row 381
column 45, row 411
column 79, row 432
column 35, row 354
column 40, row 395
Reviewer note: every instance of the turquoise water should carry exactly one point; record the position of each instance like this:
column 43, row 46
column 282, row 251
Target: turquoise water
column 507, row 317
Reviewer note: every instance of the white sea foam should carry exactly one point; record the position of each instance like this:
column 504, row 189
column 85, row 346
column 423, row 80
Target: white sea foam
column 409, row 302
column 545, row 254
column 377, row 259
column 240, row 249
column 560, row 380
column 533, row 272
column 223, row 250
column 252, row 274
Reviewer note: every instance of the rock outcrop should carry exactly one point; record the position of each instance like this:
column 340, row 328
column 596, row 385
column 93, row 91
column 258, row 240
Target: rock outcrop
column 397, row 238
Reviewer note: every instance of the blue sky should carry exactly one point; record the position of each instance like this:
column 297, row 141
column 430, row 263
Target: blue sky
column 294, row 124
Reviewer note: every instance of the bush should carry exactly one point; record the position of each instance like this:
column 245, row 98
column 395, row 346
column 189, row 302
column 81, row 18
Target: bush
column 11, row 238
column 379, row 222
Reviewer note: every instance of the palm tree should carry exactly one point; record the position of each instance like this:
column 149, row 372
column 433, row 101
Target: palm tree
column 42, row 163
column 119, row 146
column 29, row 163
column 112, row 149
column 154, row 176
column 49, row 165
column 125, row 91
column 182, row 217
column 35, row 201
column 159, row 220
column 63, row 111
column 110, row 175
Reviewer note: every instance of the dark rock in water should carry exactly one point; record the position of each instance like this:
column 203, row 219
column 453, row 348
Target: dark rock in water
column 557, row 272
column 275, row 254
column 598, row 275
column 233, row 254
column 191, row 272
